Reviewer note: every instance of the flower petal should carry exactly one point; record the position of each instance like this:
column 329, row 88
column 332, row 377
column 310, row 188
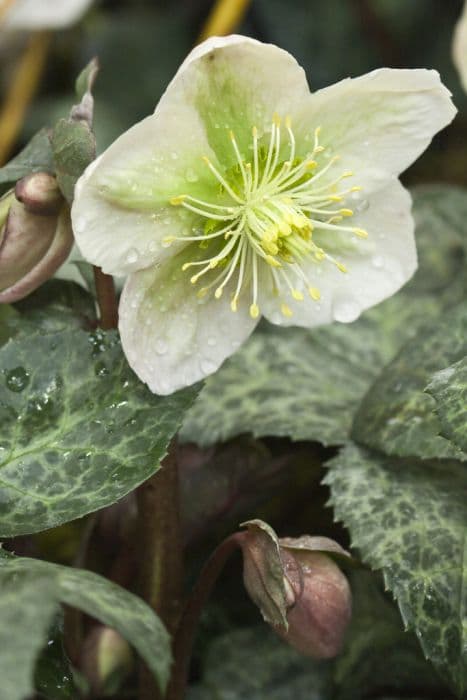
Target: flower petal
column 122, row 210
column 170, row 337
column 459, row 47
column 377, row 266
column 379, row 123
column 43, row 14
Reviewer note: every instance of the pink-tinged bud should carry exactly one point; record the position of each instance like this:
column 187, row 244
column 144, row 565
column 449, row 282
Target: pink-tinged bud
column 32, row 247
column 298, row 588
column 39, row 193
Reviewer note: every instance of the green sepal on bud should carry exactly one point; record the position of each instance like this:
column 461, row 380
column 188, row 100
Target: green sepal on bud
column 300, row 590
column 35, row 235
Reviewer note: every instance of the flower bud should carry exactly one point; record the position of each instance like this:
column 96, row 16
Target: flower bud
column 39, row 193
column 33, row 243
column 298, row 588
column 107, row 659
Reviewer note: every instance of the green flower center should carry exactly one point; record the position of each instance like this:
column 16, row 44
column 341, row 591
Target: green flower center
column 264, row 216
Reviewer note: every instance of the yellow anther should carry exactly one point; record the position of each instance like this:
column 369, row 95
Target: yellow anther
column 232, row 135
column 206, row 160
column 270, row 248
column 194, row 279
column 347, row 173
column 248, row 166
column 360, row 232
column 233, row 304
column 356, row 188
column 314, row 293
column 317, row 131
column 185, row 266
column 288, row 122
column 287, row 200
column 272, row 261
column 297, row 295
column 319, row 149
column 168, row 240
column 286, row 310
column 254, row 311
column 276, row 119
column 202, row 292
column 311, row 165
column 320, row 254
column 218, row 292
column 178, row 200
column 254, row 131
column 335, row 198
column 346, row 212
column 334, row 219
column 334, row 159
column 341, row 267
column 214, row 263
column 284, row 228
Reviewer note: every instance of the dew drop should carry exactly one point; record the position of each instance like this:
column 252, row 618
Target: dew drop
column 160, row 346
column 378, row 261
column 362, row 205
column 345, row 311
column 208, row 366
column 191, row 175
column 17, row 379
column 152, row 247
column 211, row 341
column 132, row 256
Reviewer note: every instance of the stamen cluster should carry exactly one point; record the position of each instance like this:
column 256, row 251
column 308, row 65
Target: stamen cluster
column 265, row 212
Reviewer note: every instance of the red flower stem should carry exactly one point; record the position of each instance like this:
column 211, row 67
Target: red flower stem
column 186, row 630
column 107, row 299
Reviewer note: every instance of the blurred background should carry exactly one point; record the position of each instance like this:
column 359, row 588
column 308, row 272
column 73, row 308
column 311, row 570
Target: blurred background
column 140, row 44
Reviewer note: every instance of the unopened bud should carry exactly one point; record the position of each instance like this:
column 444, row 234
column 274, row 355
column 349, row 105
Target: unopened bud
column 32, row 247
column 298, row 588
column 107, row 660
column 40, row 194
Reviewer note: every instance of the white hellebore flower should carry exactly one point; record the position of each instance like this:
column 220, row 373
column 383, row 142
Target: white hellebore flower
column 42, row 14
column 245, row 195
column 459, row 47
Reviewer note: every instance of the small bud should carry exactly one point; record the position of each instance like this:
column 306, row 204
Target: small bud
column 39, row 193
column 107, row 660
column 32, row 246
column 298, row 588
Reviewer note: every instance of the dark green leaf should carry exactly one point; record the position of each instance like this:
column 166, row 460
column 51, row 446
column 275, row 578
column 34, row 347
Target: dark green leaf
column 449, row 389
column 30, row 592
column 397, row 416
column 35, row 157
column 78, row 429
column 57, row 305
column 409, row 518
column 53, row 676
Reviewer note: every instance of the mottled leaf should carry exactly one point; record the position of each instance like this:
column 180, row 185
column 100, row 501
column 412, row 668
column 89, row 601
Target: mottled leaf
column 78, row 429
column 53, row 677
column 35, row 157
column 32, row 589
column 397, row 416
column 409, row 519
column 307, row 385
column 449, row 389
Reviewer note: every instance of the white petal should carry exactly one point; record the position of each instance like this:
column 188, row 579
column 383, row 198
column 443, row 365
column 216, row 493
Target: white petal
column 377, row 266
column 459, row 47
column 121, row 212
column 170, row 337
column 44, row 14
column 380, row 122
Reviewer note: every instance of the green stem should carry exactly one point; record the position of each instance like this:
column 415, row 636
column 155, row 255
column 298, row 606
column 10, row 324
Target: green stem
column 161, row 552
column 186, row 630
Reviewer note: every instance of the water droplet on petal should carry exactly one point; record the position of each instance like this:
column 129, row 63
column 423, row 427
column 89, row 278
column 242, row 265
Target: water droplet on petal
column 211, row 341
column 191, row 175
column 161, row 346
column 362, row 205
column 132, row 256
column 208, row 366
column 345, row 310
column 378, row 261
